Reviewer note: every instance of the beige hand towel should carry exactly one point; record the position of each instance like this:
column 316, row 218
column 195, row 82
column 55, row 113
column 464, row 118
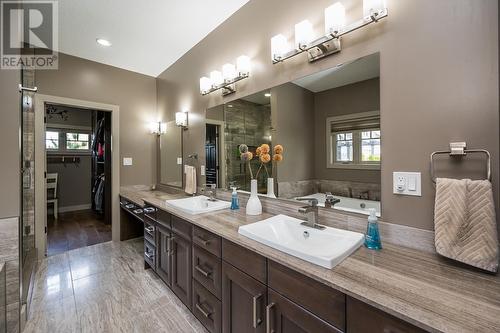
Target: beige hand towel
column 465, row 223
column 190, row 179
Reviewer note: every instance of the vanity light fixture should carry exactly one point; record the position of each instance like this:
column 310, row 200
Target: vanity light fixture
column 226, row 79
column 267, row 95
column 335, row 27
column 181, row 119
column 158, row 128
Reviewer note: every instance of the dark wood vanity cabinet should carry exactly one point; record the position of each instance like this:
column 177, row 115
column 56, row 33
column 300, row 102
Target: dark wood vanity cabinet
column 181, row 268
column 244, row 301
column 363, row 318
column 285, row 316
column 231, row 289
column 163, row 258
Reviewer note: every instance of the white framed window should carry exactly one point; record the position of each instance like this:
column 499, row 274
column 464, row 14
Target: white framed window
column 52, row 140
column 77, row 141
column 68, row 141
column 354, row 141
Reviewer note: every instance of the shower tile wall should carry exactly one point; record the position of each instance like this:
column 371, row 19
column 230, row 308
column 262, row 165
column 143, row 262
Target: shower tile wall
column 247, row 123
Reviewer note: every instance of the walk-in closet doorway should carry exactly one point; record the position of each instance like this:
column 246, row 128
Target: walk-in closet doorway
column 56, row 146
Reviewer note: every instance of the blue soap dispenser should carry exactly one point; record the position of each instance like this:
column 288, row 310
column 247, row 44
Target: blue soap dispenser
column 372, row 237
column 235, row 204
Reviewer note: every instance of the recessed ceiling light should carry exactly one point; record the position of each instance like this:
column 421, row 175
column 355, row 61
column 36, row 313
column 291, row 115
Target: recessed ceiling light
column 267, row 94
column 230, row 105
column 103, row 42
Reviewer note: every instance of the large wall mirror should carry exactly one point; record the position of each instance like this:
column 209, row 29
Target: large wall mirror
column 171, row 156
column 329, row 125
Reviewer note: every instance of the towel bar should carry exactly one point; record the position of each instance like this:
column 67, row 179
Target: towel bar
column 459, row 149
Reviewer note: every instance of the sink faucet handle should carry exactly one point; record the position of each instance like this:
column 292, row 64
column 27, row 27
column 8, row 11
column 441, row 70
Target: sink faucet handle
column 312, row 201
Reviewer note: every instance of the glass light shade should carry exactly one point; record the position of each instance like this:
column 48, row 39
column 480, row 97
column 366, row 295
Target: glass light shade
column 279, row 47
column 229, row 72
column 154, row 128
column 303, row 34
column 205, row 84
column 181, row 119
column 216, row 78
column 163, row 128
column 371, row 7
column 334, row 18
column 243, row 65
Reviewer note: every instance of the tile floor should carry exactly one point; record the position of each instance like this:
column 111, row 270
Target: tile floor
column 104, row 288
column 77, row 229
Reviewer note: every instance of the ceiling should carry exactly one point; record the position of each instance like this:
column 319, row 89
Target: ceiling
column 147, row 36
column 347, row 73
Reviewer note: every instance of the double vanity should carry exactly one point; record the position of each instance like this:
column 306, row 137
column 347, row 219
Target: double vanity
column 271, row 273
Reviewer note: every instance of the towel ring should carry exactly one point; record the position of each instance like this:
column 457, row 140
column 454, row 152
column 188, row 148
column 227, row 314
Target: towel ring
column 458, row 149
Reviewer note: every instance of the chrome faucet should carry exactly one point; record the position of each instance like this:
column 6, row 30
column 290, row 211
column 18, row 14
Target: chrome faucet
column 211, row 190
column 311, row 212
column 330, row 200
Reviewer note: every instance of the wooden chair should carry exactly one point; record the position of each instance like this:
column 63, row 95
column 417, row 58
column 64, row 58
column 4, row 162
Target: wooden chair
column 52, row 191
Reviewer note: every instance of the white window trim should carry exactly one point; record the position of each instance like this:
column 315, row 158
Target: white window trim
column 331, row 144
column 62, row 130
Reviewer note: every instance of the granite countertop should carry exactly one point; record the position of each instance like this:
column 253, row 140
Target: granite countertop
column 429, row 291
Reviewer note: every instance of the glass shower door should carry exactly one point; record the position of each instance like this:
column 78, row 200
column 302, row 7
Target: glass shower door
column 27, row 226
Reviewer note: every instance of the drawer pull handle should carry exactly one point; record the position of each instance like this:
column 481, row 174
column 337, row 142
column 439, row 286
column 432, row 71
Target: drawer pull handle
column 150, row 230
column 149, row 210
column 268, row 318
column 256, row 321
column 202, row 241
column 149, row 256
column 204, row 312
column 202, row 271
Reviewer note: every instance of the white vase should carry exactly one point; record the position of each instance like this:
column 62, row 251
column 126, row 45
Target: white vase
column 270, row 188
column 254, row 207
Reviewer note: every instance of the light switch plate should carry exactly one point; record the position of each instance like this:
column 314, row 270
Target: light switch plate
column 179, row 160
column 407, row 183
column 202, row 171
column 127, row 161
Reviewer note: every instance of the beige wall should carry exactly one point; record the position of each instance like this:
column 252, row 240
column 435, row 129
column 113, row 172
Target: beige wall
column 134, row 93
column 439, row 79
column 357, row 97
column 10, row 108
column 291, row 109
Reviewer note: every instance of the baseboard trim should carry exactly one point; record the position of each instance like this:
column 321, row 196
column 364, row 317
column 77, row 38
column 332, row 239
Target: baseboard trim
column 74, row 208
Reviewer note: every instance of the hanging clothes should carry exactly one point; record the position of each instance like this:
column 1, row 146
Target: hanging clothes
column 98, row 140
column 98, row 193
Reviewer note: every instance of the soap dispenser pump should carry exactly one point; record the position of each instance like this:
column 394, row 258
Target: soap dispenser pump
column 372, row 237
column 235, row 204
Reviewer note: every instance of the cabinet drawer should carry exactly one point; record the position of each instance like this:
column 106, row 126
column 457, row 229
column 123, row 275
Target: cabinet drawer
column 247, row 261
column 149, row 230
column 207, row 308
column 150, row 254
column 207, row 241
column 363, row 318
column 207, row 270
column 284, row 316
column 323, row 301
column 164, row 218
column 181, row 227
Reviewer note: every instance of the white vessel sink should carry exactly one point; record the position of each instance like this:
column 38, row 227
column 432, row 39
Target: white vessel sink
column 198, row 205
column 326, row 247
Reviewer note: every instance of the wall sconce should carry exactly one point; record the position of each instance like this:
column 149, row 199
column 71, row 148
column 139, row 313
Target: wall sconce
column 226, row 79
column 335, row 27
column 181, row 119
column 158, row 128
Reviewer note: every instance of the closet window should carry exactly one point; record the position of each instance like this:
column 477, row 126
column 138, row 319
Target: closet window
column 52, row 140
column 77, row 141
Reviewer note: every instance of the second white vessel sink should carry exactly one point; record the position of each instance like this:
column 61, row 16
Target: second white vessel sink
column 198, row 205
column 326, row 247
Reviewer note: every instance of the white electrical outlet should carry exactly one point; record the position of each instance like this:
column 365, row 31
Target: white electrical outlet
column 407, row 183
